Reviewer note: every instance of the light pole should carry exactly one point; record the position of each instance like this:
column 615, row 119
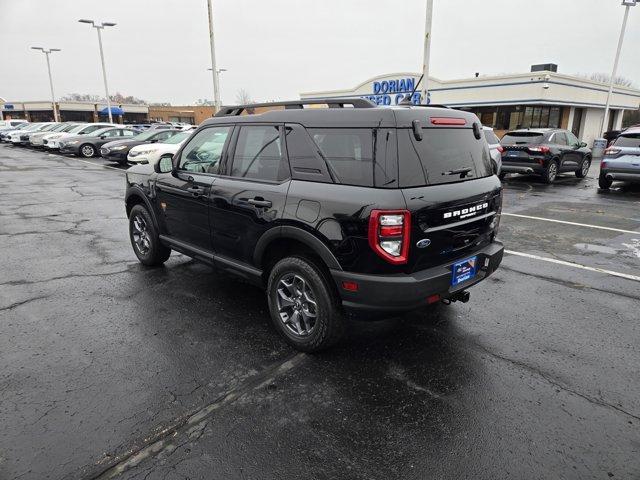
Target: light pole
column 627, row 4
column 219, row 71
column 98, row 27
column 426, row 51
column 46, row 52
column 215, row 72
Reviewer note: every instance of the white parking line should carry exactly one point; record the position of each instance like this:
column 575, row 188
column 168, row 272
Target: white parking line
column 574, row 265
column 571, row 223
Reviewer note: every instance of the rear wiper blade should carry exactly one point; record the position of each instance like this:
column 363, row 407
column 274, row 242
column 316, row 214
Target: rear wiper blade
column 459, row 171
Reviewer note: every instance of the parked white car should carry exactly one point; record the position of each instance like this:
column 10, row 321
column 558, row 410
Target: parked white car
column 20, row 137
column 5, row 132
column 495, row 149
column 11, row 123
column 151, row 153
column 37, row 139
column 53, row 142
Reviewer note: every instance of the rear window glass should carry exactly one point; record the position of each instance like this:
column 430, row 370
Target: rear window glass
column 491, row 137
column 444, row 155
column 630, row 141
column 524, row 138
column 348, row 153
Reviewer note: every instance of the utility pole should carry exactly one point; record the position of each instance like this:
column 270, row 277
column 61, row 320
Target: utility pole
column 627, row 4
column 46, row 52
column 427, row 51
column 214, row 69
column 98, row 27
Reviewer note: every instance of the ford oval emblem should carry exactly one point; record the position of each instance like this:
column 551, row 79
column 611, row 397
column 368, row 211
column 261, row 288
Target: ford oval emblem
column 424, row 243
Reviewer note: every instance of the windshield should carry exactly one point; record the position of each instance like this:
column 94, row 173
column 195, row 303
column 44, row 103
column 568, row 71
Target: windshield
column 58, row 128
column 177, row 138
column 145, row 135
column 522, row 138
column 629, row 141
column 97, row 133
column 69, row 128
column 77, row 128
column 491, row 137
column 444, row 155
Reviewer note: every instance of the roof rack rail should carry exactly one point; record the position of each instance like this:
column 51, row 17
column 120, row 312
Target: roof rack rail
column 355, row 102
column 429, row 105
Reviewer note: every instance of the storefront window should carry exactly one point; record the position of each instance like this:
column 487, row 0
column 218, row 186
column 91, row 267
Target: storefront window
column 518, row 116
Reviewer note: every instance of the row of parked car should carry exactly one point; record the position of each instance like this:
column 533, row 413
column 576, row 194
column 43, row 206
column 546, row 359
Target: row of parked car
column 547, row 152
column 118, row 143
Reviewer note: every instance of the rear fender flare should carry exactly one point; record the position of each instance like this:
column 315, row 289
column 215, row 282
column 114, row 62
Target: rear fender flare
column 295, row 233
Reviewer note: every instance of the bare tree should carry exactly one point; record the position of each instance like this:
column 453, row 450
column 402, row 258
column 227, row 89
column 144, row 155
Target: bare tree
column 604, row 78
column 117, row 98
column 243, row 97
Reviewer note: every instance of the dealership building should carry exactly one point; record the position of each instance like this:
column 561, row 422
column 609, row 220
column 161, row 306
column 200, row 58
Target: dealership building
column 73, row 111
column 540, row 98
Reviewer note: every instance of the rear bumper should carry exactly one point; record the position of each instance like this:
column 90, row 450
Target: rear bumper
column 621, row 176
column 520, row 168
column 403, row 292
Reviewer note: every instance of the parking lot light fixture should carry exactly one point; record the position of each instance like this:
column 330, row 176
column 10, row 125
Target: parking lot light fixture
column 627, row 4
column 99, row 26
column 46, row 52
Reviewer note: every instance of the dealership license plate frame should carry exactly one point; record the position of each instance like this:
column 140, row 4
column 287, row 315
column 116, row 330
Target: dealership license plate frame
column 464, row 270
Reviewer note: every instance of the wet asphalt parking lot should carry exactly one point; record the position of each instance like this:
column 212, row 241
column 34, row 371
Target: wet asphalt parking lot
column 109, row 369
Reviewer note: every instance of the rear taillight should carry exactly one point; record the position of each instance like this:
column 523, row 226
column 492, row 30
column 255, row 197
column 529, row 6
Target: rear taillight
column 603, row 165
column 539, row 149
column 500, row 148
column 389, row 234
column 612, row 151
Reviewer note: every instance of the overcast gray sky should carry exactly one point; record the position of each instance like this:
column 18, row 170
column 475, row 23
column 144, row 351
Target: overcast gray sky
column 277, row 48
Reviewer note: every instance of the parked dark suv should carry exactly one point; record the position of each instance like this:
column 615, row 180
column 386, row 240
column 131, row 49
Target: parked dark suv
column 544, row 151
column 332, row 210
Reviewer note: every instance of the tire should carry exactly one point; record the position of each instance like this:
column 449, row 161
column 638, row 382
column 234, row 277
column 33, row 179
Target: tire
column 144, row 238
column 550, row 172
column 584, row 168
column 304, row 306
column 87, row 150
column 604, row 183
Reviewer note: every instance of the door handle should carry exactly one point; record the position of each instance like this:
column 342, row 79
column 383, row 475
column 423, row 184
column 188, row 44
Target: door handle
column 195, row 191
column 260, row 202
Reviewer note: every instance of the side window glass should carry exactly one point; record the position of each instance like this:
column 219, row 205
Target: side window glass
column 559, row 138
column 127, row 133
column 259, row 155
column 203, row 152
column 91, row 129
column 163, row 136
column 572, row 139
column 349, row 153
column 306, row 162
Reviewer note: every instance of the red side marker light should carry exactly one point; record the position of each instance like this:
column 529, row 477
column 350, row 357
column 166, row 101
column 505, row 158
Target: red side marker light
column 350, row 286
column 447, row 121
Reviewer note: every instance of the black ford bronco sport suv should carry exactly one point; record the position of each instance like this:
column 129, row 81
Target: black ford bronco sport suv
column 332, row 210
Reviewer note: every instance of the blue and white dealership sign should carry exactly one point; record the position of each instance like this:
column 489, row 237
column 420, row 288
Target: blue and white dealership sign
column 392, row 92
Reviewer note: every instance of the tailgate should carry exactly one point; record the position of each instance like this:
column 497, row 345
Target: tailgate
column 452, row 220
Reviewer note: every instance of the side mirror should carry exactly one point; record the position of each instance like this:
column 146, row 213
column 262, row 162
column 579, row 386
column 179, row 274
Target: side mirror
column 165, row 165
column 155, row 140
column 81, row 133
column 583, row 144
column 103, row 137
